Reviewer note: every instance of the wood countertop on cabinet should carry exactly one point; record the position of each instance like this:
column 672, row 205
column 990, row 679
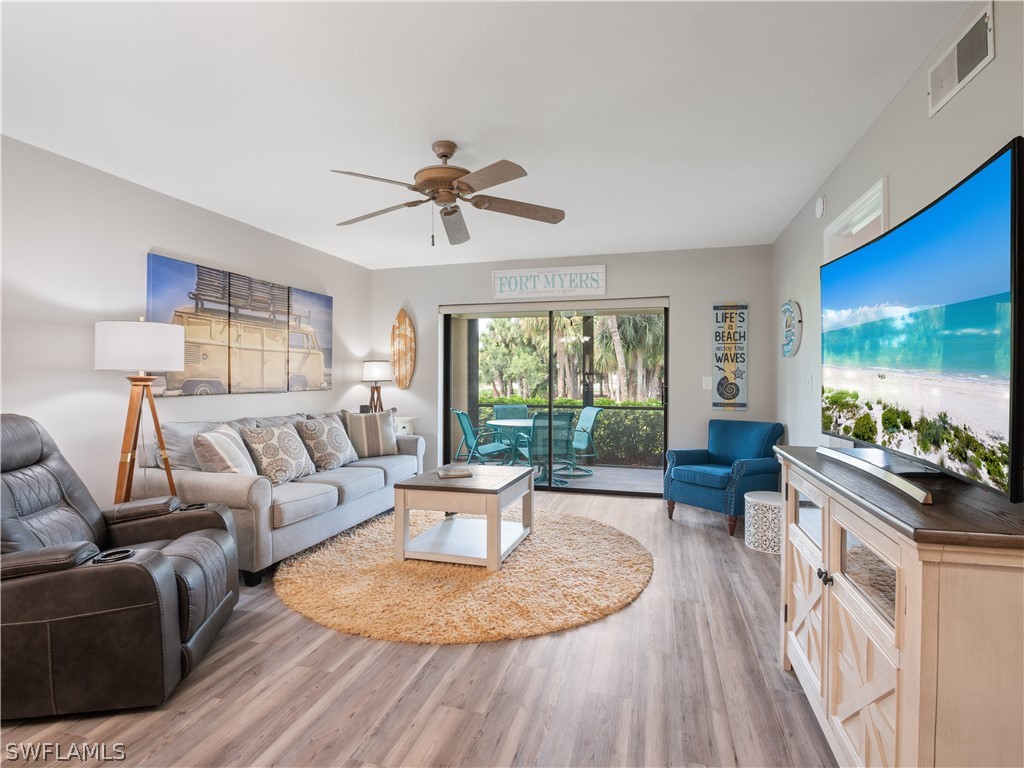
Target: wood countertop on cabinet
column 962, row 514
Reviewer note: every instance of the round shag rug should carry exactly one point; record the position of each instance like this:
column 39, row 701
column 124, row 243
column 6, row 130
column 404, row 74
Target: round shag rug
column 569, row 571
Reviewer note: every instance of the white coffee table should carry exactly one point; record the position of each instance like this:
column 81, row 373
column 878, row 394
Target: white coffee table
column 486, row 540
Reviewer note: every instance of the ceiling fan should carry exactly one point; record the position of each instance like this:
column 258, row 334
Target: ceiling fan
column 446, row 185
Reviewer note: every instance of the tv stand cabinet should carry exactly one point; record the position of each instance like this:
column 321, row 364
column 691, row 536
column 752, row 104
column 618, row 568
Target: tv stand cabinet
column 903, row 622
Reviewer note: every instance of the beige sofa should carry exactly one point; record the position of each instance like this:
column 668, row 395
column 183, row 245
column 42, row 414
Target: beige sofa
column 275, row 522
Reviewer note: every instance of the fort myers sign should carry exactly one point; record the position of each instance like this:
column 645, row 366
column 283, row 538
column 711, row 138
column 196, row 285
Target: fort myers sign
column 551, row 281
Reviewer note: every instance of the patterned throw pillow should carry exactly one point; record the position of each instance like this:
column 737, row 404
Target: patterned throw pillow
column 373, row 434
column 278, row 452
column 222, row 450
column 326, row 442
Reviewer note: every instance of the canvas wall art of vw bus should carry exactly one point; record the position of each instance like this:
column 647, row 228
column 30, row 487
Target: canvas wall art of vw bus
column 920, row 345
column 241, row 334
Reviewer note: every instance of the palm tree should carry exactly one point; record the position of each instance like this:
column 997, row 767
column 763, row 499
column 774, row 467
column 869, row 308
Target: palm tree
column 606, row 332
column 643, row 337
column 568, row 337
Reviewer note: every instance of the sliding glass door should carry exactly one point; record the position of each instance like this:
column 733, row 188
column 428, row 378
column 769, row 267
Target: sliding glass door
column 577, row 394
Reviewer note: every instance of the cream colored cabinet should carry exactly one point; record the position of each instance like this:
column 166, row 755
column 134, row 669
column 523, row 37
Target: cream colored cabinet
column 908, row 641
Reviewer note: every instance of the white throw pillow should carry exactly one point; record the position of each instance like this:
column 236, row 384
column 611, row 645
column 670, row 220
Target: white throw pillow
column 222, row 450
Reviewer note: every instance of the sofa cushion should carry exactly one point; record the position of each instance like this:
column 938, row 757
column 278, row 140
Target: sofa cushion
column 708, row 475
column 222, row 450
column 278, row 453
column 396, row 468
column 351, row 481
column 326, row 442
column 293, row 502
column 373, row 434
column 178, row 441
column 279, row 421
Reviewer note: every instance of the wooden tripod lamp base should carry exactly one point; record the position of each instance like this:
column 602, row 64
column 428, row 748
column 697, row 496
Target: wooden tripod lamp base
column 376, row 404
column 141, row 390
column 141, row 346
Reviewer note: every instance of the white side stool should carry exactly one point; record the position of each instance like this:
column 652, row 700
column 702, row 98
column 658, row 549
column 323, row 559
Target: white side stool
column 762, row 521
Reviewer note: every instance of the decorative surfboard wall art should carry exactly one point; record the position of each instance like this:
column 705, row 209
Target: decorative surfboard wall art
column 403, row 350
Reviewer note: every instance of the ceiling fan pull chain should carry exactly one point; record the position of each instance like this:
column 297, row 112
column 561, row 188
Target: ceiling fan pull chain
column 431, row 226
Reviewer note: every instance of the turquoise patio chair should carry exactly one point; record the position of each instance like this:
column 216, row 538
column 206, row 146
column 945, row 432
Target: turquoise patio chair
column 487, row 446
column 532, row 448
column 514, row 411
column 511, row 411
column 583, row 446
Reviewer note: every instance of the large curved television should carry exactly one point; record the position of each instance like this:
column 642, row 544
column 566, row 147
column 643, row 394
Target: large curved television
column 921, row 341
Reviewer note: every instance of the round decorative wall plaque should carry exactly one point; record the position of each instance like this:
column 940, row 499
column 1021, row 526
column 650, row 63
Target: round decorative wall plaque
column 792, row 327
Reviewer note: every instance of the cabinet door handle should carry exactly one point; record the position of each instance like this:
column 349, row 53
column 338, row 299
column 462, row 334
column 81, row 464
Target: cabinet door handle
column 821, row 574
column 825, row 576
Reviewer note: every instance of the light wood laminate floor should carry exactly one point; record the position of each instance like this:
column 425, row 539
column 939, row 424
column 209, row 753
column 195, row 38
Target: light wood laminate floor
column 686, row 675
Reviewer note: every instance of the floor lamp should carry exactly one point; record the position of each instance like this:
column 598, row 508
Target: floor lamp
column 129, row 346
column 376, row 371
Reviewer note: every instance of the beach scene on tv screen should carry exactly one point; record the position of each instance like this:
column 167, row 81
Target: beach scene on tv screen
column 916, row 334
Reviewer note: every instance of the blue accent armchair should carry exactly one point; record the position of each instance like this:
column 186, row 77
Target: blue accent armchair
column 738, row 459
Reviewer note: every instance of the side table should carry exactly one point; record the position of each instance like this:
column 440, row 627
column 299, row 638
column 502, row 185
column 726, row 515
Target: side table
column 762, row 521
column 405, row 425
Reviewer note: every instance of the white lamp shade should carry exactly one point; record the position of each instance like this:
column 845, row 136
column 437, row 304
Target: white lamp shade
column 376, row 370
column 130, row 346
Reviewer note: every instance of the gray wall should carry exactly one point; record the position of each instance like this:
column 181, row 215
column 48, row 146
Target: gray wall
column 75, row 241
column 922, row 159
column 74, row 252
column 692, row 280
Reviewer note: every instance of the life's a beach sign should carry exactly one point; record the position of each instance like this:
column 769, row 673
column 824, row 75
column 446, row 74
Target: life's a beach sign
column 551, row 281
column 729, row 357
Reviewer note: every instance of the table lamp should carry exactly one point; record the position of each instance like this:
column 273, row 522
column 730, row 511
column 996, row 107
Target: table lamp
column 141, row 346
column 376, row 371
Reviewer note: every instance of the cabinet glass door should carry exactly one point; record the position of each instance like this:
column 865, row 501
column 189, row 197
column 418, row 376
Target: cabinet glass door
column 873, row 577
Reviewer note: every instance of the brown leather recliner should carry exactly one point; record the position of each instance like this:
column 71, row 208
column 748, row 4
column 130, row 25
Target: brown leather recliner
column 84, row 630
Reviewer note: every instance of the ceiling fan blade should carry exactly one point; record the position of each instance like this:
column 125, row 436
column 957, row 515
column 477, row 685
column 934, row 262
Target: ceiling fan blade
column 516, row 208
column 378, row 178
column 489, row 176
column 411, row 204
column 454, row 225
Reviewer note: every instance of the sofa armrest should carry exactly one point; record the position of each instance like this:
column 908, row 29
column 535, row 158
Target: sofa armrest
column 59, row 557
column 247, row 497
column 137, row 509
column 413, row 445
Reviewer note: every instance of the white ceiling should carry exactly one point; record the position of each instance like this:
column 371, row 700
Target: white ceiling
column 655, row 126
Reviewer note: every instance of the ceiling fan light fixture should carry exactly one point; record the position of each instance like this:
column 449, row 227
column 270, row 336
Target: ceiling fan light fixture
column 446, row 184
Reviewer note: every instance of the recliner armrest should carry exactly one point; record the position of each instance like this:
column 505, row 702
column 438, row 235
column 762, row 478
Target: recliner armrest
column 138, row 509
column 59, row 557
column 170, row 526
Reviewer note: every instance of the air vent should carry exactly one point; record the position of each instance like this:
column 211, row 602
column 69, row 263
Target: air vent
column 965, row 58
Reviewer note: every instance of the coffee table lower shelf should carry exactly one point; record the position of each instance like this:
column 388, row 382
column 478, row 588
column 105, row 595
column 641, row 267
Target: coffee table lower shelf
column 486, row 540
column 464, row 540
